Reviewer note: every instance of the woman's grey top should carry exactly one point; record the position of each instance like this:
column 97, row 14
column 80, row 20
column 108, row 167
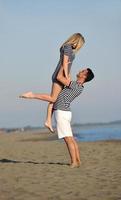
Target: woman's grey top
column 68, row 51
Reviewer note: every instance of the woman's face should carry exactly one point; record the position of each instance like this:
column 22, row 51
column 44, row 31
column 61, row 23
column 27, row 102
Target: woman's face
column 74, row 46
column 78, row 44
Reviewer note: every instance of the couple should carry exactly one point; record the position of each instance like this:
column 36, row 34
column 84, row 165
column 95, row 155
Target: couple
column 64, row 91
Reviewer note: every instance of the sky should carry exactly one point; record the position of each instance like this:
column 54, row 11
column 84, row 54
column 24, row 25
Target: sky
column 31, row 33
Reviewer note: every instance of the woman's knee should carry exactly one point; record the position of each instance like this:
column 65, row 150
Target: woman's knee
column 53, row 99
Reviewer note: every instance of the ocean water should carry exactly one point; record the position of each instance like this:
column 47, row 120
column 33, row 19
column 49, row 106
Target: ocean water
column 97, row 132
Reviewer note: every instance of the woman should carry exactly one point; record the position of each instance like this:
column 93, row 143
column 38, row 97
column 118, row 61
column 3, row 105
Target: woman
column 67, row 54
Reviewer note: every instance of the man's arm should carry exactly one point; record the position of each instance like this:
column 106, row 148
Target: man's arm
column 62, row 79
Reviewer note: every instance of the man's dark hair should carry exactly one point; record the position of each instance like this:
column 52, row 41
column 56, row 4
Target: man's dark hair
column 90, row 75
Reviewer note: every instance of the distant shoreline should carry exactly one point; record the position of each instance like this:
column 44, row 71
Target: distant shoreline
column 28, row 127
column 97, row 123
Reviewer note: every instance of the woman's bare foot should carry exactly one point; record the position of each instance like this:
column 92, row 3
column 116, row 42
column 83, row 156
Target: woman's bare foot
column 49, row 127
column 27, row 95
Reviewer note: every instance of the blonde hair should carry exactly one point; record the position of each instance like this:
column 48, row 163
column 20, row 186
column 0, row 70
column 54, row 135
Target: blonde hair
column 76, row 40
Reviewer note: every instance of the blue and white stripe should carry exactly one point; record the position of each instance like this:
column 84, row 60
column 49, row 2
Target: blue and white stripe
column 67, row 95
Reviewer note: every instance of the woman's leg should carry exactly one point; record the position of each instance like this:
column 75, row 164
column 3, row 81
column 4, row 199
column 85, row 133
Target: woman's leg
column 56, row 89
column 48, row 122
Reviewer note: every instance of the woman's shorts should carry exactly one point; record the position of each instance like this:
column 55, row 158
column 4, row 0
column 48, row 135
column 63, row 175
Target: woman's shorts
column 58, row 82
column 63, row 123
column 54, row 80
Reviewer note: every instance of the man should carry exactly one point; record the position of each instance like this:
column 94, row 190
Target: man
column 62, row 110
column 63, row 113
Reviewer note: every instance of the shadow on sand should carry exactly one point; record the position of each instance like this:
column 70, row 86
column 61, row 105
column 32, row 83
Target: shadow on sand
column 4, row 160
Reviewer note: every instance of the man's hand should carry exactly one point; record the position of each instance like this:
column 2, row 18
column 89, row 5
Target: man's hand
column 68, row 80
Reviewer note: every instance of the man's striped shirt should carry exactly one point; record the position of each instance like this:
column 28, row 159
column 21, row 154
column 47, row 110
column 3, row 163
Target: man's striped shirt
column 67, row 95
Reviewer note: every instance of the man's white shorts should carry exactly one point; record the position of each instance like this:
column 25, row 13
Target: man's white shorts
column 63, row 123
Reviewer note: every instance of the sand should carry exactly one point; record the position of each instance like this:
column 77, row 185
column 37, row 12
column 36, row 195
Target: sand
column 34, row 166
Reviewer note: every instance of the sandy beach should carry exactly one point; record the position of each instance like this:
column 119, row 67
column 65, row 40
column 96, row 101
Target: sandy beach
column 35, row 166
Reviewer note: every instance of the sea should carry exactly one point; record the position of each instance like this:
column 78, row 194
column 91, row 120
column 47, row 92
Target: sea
column 97, row 132
column 86, row 132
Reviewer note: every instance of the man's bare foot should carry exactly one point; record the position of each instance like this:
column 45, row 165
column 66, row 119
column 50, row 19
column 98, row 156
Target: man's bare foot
column 79, row 162
column 75, row 165
column 27, row 95
column 49, row 127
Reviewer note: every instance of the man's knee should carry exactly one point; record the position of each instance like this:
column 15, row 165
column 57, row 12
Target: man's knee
column 68, row 139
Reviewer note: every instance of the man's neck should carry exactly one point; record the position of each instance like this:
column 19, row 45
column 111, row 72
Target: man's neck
column 81, row 82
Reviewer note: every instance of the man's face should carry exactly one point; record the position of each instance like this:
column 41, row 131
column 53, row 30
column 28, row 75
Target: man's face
column 82, row 74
